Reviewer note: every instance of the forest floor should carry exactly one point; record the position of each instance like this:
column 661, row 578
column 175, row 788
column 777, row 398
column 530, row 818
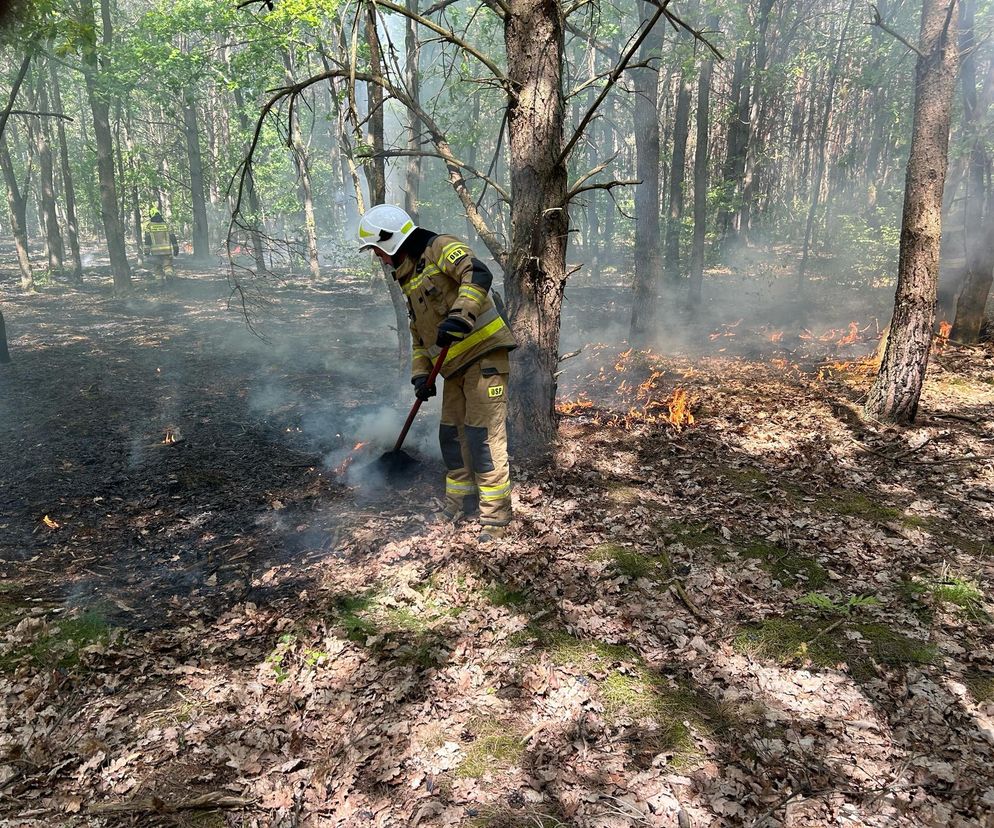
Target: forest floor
column 778, row 614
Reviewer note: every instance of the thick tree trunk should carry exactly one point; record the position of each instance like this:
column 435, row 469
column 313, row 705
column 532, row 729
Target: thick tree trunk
column 17, row 204
column 648, row 258
column 701, row 182
column 68, row 190
column 536, row 267
column 674, row 218
column 897, row 389
column 105, row 143
column 201, row 231
column 4, row 352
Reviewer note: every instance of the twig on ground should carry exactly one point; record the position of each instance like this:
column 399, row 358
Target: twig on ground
column 152, row 804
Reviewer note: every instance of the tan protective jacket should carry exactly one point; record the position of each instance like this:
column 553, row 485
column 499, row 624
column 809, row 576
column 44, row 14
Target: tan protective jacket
column 438, row 285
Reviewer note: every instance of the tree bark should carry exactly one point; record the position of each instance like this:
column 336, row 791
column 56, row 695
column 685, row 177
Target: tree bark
column 93, row 68
column 978, row 202
column 701, row 182
column 535, row 276
column 674, row 218
column 17, row 204
column 302, row 163
column 735, row 153
column 38, row 131
column 376, row 178
column 648, row 258
column 897, row 389
column 4, row 352
column 822, row 149
column 191, row 129
column 412, row 76
column 68, row 190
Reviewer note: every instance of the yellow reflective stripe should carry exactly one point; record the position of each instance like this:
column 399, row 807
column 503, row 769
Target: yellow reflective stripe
column 451, row 246
column 420, row 352
column 458, row 487
column 472, row 292
column 474, row 338
column 409, row 225
column 412, row 284
column 495, row 492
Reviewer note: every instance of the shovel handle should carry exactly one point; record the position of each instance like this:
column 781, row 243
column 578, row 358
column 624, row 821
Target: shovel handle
column 417, row 403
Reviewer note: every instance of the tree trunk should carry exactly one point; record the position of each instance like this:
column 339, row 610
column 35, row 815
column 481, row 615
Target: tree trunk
column 535, row 275
column 822, row 149
column 674, row 219
column 412, row 77
column 201, row 232
column 897, row 388
column 68, row 190
column 17, row 204
column 302, row 163
column 43, row 148
column 979, row 232
column 648, row 259
column 4, row 352
column 735, row 153
column 377, row 179
column 255, row 213
column 92, row 69
column 701, row 182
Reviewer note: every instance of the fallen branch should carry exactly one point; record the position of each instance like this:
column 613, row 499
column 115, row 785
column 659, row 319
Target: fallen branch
column 152, row 804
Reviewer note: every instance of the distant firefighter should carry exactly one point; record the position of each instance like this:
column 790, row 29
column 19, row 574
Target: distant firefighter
column 160, row 245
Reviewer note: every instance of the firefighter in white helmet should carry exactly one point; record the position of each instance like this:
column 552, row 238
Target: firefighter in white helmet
column 450, row 303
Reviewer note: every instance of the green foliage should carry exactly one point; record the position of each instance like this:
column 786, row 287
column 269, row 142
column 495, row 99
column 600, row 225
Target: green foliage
column 866, row 251
column 496, row 745
column 948, row 588
column 831, row 608
column 59, row 644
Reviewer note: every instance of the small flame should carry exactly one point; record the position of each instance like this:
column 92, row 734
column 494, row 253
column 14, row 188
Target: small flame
column 678, row 408
column 51, row 524
column 852, row 336
column 945, row 328
column 776, row 336
column 343, row 467
column 171, row 437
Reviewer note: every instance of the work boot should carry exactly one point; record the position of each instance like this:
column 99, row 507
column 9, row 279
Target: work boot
column 490, row 533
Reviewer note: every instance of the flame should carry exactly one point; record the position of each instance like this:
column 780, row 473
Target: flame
column 343, row 467
column 852, row 336
column 171, row 437
column 571, row 408
column 678, row 408
column 51, row 524
column 776, row 336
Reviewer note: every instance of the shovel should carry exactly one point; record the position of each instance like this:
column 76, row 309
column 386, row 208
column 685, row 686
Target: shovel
column 398, row 461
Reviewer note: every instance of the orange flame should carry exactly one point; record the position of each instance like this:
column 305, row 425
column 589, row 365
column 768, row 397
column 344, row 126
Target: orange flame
column 678, row 408
column 776, row 336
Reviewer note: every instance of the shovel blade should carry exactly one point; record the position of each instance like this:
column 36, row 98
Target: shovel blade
column 397, row 464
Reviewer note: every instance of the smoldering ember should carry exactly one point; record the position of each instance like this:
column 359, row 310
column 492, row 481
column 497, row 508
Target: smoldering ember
column 502, row 414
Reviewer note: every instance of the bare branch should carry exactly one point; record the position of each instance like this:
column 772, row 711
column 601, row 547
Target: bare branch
column 611, row 81
column 401, row 153
column 40, row 114
column 878, row 21
column 25, row 63
column 448, row 35
column 606, row 185
column 583, row 179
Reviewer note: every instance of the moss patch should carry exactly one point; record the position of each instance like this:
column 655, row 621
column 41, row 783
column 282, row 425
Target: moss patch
column 565, row 649
column 693, row 536
column 855, row 504
column 496, row 746
column 61, row 643
column 501, row 595
column 787, row 567
column 981, row 686
column 824, row 644
column 672, row 712
column 745, row 479
column 630, row 562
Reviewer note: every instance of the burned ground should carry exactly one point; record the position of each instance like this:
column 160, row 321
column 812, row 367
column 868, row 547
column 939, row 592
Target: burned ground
column 776, row 614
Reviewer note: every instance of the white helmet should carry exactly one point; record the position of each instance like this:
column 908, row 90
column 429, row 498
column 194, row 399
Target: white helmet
column 385, row 226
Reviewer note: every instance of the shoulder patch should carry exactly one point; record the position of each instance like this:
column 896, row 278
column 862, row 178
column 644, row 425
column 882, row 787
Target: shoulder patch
column 456, row 253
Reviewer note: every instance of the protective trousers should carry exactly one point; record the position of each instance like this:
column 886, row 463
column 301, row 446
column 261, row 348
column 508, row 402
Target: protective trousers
column 162, row 266
column 473, row 437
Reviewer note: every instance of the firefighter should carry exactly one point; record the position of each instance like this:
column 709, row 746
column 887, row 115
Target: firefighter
column 160, row 245
column 450, row 304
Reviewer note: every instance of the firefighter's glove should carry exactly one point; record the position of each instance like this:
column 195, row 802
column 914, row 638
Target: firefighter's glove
column 452, row 330
column 422, row 390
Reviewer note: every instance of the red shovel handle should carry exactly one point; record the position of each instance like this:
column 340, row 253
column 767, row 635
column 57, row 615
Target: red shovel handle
column 417, row 403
